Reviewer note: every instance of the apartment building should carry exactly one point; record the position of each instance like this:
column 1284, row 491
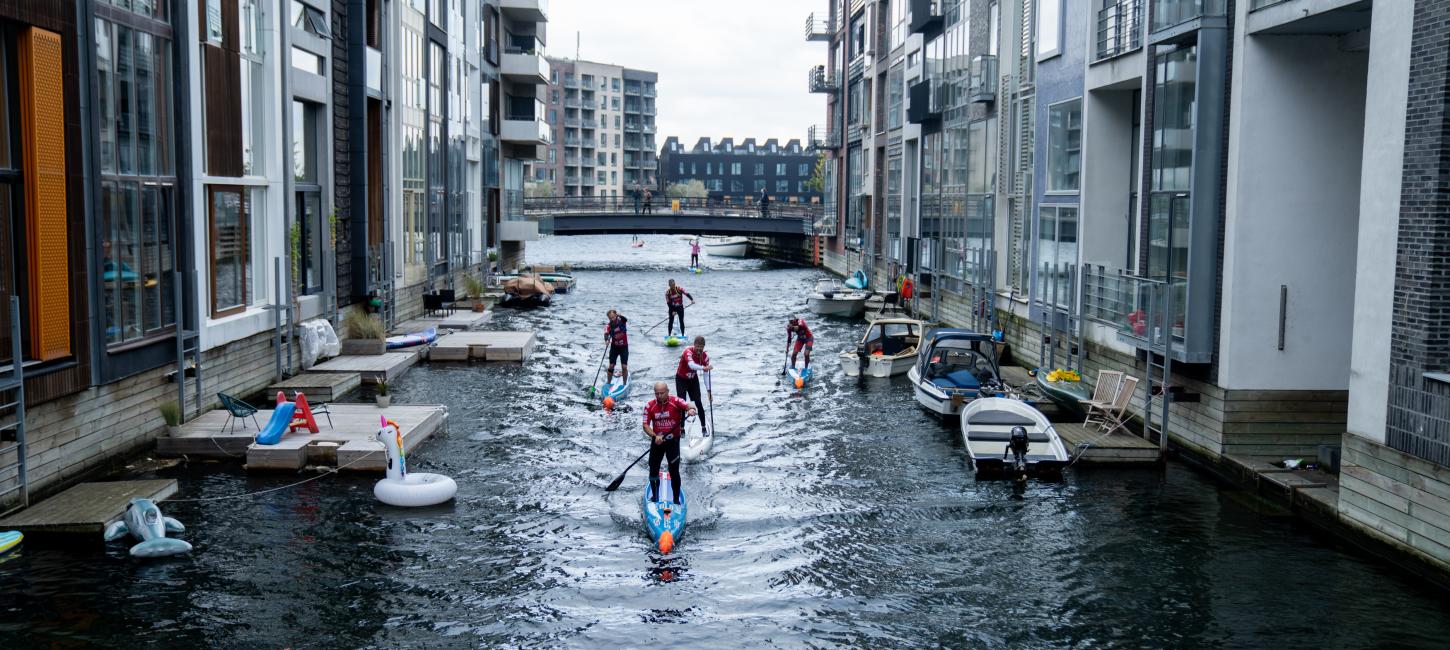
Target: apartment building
column 182, row 183
column 1233, row 200
column 739, row 173
column 603, row 120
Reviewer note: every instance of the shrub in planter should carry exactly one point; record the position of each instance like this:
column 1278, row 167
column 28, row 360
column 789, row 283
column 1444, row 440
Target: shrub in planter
column 365, row 334
column 171, row 415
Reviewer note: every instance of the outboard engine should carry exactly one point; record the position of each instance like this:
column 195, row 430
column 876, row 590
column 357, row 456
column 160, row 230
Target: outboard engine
column 1017, row 446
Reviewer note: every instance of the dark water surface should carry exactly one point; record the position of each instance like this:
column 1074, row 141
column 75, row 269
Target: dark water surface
column 840, row 516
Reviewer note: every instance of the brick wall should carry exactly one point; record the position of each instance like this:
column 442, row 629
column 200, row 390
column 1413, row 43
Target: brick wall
column 342, row 153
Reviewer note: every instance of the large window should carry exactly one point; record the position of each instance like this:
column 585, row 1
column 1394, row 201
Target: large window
column 893, row 208
column 1049, row 28
column 1172, row 171
column 309, row 235
column 896, row 94
column 1056, row 253
column 229, row 231
column 1064, row 146
column 138, row 177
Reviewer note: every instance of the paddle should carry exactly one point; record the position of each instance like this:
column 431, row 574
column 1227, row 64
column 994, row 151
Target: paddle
column 593, row 385
column 786, row 363
column 615, row 485
column 652, row 327
column 710, row 394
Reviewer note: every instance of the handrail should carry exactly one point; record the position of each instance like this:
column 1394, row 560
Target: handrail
column 663, row 205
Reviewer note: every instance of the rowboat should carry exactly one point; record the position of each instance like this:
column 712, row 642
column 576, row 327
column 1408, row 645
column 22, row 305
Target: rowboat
column 802, row 376
column 9, row 540
column 887, row 349
column 954, row 367
column 664, row 529
column 726, row 246
column 409, row 340
column 829, row 298
column 987, row 427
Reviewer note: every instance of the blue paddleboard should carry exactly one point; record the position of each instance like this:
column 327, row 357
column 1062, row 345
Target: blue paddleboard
column 9, row 539
column 656, row 522
column 803, row 375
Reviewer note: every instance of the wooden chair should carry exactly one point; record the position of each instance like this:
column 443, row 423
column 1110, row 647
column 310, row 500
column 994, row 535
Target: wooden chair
column 237, row 410
column 1114, row 416
column 1104, row 392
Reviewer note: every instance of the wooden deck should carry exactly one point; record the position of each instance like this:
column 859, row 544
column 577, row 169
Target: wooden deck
column 350, row 441
column 318, row 386
column 462, row 319
column 372, row 368
column 87, row 508
column 484, row 346
column 1118, row 448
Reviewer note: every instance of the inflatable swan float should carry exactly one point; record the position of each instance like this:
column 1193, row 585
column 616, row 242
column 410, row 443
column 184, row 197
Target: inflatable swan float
column 402, row 488
column 143, row 520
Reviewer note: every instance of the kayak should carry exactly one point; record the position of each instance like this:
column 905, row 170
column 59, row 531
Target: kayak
column 803, row 375
column 11, row 538
column 409, row 340
column 664, row 530
column 674, row 340
column 615, row 389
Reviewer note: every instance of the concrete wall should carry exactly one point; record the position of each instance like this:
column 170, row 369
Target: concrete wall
column 1379, row 209
column 1292, row 212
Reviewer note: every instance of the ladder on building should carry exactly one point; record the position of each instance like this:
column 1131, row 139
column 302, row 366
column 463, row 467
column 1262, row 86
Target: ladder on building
column 1160, row 362
column 387, row 310
column 983, row 292
column 13, row 479
column 188, row 346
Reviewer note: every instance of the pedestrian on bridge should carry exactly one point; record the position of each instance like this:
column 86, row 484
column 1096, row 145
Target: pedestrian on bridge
column 634, row 193
column 648, row 202
column 764, row 204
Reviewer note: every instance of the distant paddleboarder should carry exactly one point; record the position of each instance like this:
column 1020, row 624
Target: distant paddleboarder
column 664, row 423
column 693, row 361
column 675, row 300
column 804, row 340
column 616, row 335
column 695, row 252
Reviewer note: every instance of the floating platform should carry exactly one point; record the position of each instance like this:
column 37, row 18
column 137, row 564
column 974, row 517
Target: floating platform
column 318, row 386
column 484, row 346
column 371, row 368
column 87, row 508
column 459, row 320
column 350, row 441
column 1117, row 448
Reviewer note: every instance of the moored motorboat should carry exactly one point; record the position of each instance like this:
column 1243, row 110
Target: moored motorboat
column 988, row 425
column 527, row 290
column 663, row 520
column 887, row 349
column 830, row 298
column 726, row 246
column 560, row 281
column 954, row 367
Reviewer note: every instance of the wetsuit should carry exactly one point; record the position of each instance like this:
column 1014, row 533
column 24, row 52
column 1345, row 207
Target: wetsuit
column 687, row 379
column 666, row 420
column 803, row 339
column 617, row 333
column 675, row 301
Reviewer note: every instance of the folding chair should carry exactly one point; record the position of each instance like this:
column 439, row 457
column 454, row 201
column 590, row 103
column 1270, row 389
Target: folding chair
column 237, row 410
column 1114, row 416
column 1104, row 392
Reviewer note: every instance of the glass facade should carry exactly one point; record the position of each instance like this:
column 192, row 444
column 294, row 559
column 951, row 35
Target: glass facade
column 1064, row 146
column 1057, row 228
column 1174, row 104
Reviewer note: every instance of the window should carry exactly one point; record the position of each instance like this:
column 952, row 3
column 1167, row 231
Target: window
column 804, row 169
column 709, row 168
column 735, row 169
column 231, row 261
column 137, row 207
column 614, row 103
column 782, row 187
column 737, row 186
column 309, row 19
column 1056, row 253
column 253, row 88
column 896, row 93
column 893, row 207
column 1169, row 223
column 213, row 18
column 616, row 139
column 780, row 169
column 614, row 84
column 616, row 121
column 1064, row 146
column 308, row 234
column 994, row 17
column 306, row 61
column 759, row 169
column 759, row 185
column 1049, row 28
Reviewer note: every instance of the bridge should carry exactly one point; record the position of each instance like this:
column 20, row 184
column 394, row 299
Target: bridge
column 600, row 215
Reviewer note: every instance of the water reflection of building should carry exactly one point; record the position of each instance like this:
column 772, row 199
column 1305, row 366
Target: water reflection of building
column 170, row 170
column 1133, row 182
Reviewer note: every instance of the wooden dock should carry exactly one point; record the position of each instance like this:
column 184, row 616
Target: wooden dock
column 87, row 508
column 484, row 346
column 318, row 386
column 1118, row 448
column 371, row 368
column 460, row 320
column 350, row 442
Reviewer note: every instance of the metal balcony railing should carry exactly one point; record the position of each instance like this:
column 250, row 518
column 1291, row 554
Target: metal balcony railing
column 982, row 79
column 588, row 104
column 571, row 122
column 571, row 102
column 571, row 82
column 649, row 92
column 820, row 82
column 1170, row 13
column 818, row 28
column 1120, row 28
column 1126, row 302
column 808, row 213
column 819, row 138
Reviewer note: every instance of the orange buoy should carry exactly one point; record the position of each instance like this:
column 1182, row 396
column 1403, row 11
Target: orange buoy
column 667, row 541
column 608, row 403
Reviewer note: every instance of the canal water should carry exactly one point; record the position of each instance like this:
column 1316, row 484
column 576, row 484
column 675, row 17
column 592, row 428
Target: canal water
column 840, row 515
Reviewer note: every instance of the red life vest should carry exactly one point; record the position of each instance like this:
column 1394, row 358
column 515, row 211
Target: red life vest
column 668, row 418
column 618, row 332
column 684, row 369
column 675, row 297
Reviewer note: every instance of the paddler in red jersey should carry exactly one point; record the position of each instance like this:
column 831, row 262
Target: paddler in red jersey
column 804, row 340
column 664, row 423
column 616, row 336
column 693, row 361
column 675, row 301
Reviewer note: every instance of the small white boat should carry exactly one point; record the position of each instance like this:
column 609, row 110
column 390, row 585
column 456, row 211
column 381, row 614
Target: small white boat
column 726, row 246
column 954, row 367
column 987, row 428
column 830, row 298
column 887, row 349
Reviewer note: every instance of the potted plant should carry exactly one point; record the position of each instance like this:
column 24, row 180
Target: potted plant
column 474, row 286
column 383, row 397
column 171, row 414
column 365, row 334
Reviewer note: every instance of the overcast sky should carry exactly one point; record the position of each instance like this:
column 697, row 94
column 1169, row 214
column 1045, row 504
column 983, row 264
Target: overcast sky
column 727, row 69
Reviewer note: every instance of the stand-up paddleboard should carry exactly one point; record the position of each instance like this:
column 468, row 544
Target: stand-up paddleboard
column 665, row 530
column 409, row 340
column 614, row 389
column 697, row 269
column 693, row 448
column 803, row 375
column 10, row 539
column 674, row 340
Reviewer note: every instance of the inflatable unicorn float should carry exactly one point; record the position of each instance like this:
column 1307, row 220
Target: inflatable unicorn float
column 404, row 488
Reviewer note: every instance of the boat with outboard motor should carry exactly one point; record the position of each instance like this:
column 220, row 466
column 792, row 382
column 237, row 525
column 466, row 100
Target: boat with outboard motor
column 954, row 367
column 527, row 290
column 663, row 520
column 726, row 246
column 887, row 349
column 1006, row 436
column 830, row 298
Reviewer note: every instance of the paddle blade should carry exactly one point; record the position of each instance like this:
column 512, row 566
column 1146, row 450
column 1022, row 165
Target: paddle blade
column 617, row 482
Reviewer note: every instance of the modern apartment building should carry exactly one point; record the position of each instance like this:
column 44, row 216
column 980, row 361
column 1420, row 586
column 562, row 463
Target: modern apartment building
column 738, row 173
column 603, row 120
column 1233, row 200
column 182, row 183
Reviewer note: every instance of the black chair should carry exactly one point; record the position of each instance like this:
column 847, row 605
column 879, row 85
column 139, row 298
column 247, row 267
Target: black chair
column 238, row 410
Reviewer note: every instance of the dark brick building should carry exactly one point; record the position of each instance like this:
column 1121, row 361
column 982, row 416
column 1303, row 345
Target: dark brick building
column 734, row 172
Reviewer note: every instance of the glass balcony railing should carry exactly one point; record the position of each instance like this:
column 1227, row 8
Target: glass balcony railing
column 818, row 27
column 1120, row 28
column 524, row 44
column 1260, row 4
column 1134, row 305
column 982, row 80
column 1170, row 13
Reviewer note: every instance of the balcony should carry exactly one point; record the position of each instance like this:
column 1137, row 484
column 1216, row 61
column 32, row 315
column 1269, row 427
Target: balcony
column 649, row 109
column 982, row 79
column 819, row 138
column 571, row 122
column 631, row 108
column 926, row 16
column 819, row 81
column 571, row 161
column 1120, row 28
column 855, row 132
column 571, row 102
column 923, row 102
column 588, row 104
column 1171, row 13
column 571, row 82
column 818, row 28
column 523, row 122
column 524, row 62
column 536, row 11
column 649, row 92
column 587, row 181
column 571, row 180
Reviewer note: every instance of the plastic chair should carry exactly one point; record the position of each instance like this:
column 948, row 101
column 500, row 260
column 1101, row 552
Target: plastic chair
column 237, row 410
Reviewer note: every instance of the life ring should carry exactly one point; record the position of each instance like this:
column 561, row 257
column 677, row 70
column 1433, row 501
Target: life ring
column 402, row 488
